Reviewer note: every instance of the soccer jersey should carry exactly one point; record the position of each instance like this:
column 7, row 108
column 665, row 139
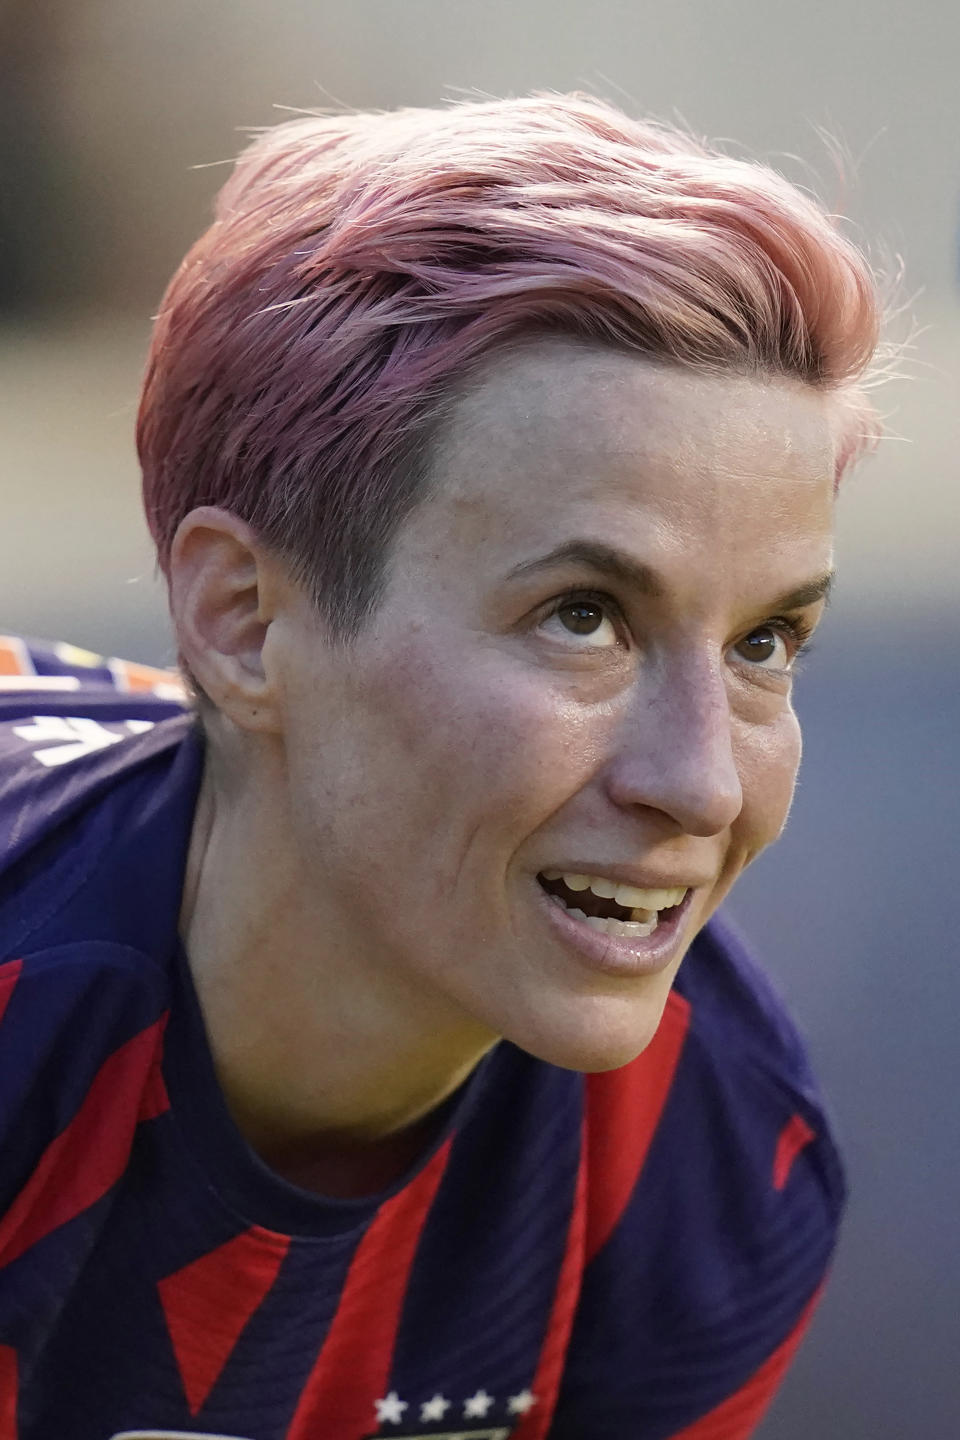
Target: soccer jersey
column 624, row 1256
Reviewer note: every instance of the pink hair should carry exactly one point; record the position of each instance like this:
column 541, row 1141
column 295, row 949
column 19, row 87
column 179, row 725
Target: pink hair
column 359, row 266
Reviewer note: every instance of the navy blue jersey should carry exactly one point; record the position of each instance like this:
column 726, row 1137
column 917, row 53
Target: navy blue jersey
column 625, row 1256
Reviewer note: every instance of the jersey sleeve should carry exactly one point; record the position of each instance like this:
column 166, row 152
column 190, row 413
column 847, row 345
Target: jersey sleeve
column 715, row 1198
column 80, row 1046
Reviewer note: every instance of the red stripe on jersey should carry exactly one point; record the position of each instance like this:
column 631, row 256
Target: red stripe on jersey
column 208, row 1303
column 89, row 1156
column 623, row 1110
column 9, row 975
column 741, row 1413
column 793, row 1137
column 154, row 1101
column 14, row 660
column 353, row 1367
column 553, row 1353
column 8, row 1393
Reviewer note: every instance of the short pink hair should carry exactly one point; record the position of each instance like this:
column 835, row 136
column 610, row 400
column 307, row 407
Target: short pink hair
column 360, row 266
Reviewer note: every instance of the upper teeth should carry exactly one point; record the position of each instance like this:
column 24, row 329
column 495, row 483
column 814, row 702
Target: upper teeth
column 629, row 896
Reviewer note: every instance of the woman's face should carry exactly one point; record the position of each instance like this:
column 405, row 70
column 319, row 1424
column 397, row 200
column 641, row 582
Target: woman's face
column 581, row 667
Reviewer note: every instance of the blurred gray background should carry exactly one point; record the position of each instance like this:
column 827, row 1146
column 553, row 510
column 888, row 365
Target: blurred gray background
column 114, row 115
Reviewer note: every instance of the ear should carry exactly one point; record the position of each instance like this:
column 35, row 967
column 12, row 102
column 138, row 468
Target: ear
column 224, row 588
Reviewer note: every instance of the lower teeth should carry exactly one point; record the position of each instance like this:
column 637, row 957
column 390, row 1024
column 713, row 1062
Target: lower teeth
column 624, row 929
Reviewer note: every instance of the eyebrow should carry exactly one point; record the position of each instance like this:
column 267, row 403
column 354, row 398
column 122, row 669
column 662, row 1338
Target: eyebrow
column 808, row 594
column 594, row 555
column 607, row 560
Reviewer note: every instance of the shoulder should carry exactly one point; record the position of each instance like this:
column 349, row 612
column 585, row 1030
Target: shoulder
column 63, row 710
column 714, row 1198
column 66, row 1009
column 725, row 1024
column 81, row 1029
column 95, row 814
column 725, row 1092
column 717, row 1137
column 735, row 1010
column 74, row 749
column 97, row 787
column 747, row 1059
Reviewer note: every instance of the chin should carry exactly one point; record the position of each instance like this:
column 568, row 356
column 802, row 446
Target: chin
column 599, row 1042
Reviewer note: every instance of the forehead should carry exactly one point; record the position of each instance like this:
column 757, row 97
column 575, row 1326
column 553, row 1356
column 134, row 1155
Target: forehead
column 566, row 402
column 559, row 441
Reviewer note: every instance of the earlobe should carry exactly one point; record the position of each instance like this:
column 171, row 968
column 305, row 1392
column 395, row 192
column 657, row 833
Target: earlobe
column 222, row 596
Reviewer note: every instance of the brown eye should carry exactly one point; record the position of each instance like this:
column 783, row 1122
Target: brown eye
column 581, row 617
column 762, row 646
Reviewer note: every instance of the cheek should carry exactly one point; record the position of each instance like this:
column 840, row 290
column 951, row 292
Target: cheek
column 486, row 745
column 769, row 763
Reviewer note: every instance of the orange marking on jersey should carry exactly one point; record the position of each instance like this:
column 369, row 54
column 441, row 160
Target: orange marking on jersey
column 15, row 657
column 8, row 1393
column 793, row 1137
column 739, row 1415
column 209, row 1302
column 623, row 1111
column 130, row 676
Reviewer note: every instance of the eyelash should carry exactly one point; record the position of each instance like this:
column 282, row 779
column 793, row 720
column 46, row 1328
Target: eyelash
column 795, row 628
column 592, row 597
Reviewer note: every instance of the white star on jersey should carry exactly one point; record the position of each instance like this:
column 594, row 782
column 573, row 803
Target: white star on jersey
column 520, row 1404
column 477, row 1406
column 434, row 1409
column 390, row 1409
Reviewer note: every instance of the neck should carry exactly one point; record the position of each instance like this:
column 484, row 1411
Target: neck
column 333, row 1067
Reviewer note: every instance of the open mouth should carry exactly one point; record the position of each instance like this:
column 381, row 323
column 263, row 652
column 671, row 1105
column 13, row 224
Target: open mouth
column 621, row 911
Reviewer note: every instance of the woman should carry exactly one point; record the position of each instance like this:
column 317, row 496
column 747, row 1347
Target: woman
column 491, row 456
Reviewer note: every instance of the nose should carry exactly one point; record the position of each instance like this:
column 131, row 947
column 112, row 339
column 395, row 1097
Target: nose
column 676, row 750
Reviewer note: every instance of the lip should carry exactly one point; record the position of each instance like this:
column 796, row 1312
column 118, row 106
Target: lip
column 610, row 955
